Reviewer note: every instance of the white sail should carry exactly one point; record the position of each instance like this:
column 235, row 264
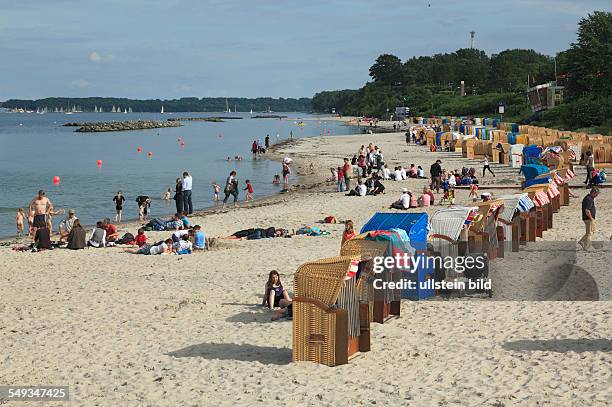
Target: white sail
column 251, row 112
column 100, row 111
column 162, row 110
column 130, row 110
column 125, row 111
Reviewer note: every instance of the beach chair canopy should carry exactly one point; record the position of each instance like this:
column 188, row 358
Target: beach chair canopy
column 450, row 221
column 415, row 225
column 514, row 203
column 534, row 170
column 322, row 279
column 532, row 151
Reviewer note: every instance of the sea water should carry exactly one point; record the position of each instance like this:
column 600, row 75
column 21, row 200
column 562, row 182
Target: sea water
column 34, row 148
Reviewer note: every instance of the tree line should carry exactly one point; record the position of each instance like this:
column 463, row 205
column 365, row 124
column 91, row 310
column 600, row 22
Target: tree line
column 187, row 104
column 431, row 85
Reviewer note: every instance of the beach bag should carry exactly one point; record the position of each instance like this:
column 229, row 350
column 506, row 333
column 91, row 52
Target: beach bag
column 127, row 238
column 330, row 219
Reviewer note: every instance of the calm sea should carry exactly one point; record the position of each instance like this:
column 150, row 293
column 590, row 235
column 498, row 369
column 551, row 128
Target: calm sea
column 35, row 148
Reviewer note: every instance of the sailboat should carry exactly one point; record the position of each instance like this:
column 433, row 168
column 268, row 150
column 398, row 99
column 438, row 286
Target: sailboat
column 130, row 110
column 251, row 112
column 124, row 111
column 95, row 109
column 114, row 110
column 100, row 111
column 162, row 111
column 227, row 109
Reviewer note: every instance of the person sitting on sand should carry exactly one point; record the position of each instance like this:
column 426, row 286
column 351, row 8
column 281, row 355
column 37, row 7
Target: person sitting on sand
column 141, row 238
column 360, row 190
column 66, row 225
column 185, row 220
column 348, row 233
column 111, row 230
column 183, row 246
column 412, row 171
column 386, row 172
column 42, row 238
column 275, row 294
column 164, row 247
column 424, row 200
column 421, row 173
column 175, row 223
column 404, row 200
column 377, row 186
column 199, row 238
column 77, row 238
column 98, row 236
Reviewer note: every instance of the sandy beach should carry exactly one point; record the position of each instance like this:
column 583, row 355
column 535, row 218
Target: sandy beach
column 127, row 330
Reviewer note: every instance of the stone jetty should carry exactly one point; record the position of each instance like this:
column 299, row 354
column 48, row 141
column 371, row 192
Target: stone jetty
column 122, row 126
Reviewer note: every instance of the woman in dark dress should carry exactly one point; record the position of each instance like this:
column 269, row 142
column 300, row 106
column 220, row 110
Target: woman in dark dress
column 178, row 195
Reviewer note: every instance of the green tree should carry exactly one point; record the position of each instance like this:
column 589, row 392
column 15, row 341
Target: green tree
column 387, row 69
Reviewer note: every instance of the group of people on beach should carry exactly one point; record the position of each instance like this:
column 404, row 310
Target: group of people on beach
column 259, row 147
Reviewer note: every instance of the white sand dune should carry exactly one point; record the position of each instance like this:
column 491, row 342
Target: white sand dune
column 128, row 330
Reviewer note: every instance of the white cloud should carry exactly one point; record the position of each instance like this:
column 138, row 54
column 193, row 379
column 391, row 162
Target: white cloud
column 95, row 57
column 80, row 83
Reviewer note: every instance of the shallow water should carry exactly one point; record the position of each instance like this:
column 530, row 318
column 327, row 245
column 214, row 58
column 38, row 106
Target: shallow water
column 35, row 148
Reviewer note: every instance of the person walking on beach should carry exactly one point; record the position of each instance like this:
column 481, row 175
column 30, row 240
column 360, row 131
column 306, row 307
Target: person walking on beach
column 178, row 195
column 231, row 188
column 286, row 172
column 19, row 220
column 486, row 166
column 588, row 217
column 216, row 190
column 39, row 209
column 436, row 172
column 119, row 199
column 254, row 148
column 249, row 189
column 347, row 174
column 267, row 141
column 144, row 203
column 340, row 179
column 187, row 183
column 590, row 166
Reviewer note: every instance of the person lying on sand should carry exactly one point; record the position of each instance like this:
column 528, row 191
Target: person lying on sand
column 259, row 233
column 164, row 247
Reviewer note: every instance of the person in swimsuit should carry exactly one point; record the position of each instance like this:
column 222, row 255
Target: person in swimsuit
column 118, row 199
column 39, row 209
column 275, row 295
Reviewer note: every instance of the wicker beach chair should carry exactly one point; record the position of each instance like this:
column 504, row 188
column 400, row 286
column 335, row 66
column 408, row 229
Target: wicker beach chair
column 484, row 236
column 326, row 321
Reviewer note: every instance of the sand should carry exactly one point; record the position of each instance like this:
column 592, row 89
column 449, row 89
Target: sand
column 128, row 330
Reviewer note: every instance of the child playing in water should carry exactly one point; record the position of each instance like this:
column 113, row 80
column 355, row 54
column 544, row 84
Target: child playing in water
column 167, row 195
column 276, row 180
column 249, row 189
column 19, row 218
column 216, row 190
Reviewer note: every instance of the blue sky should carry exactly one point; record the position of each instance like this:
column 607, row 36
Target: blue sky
column 178, row 48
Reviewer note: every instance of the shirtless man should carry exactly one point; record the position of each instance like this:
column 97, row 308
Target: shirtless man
column 39, row 210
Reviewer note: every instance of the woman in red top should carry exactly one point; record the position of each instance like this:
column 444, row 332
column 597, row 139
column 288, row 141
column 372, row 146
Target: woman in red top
column 348, row 233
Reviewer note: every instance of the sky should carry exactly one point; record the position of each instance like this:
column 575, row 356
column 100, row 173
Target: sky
column 149, row 49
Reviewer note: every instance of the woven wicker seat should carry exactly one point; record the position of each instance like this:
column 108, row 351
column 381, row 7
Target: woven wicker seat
column 326, row 320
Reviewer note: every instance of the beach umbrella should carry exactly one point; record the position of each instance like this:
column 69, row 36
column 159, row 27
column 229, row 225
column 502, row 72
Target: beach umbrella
column 56, row 180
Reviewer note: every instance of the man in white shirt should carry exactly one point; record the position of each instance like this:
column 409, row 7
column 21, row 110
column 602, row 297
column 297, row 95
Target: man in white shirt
column 187, row 183
column 403, row 202
column 386, row 173
column 403, row 172
column 397, row 175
